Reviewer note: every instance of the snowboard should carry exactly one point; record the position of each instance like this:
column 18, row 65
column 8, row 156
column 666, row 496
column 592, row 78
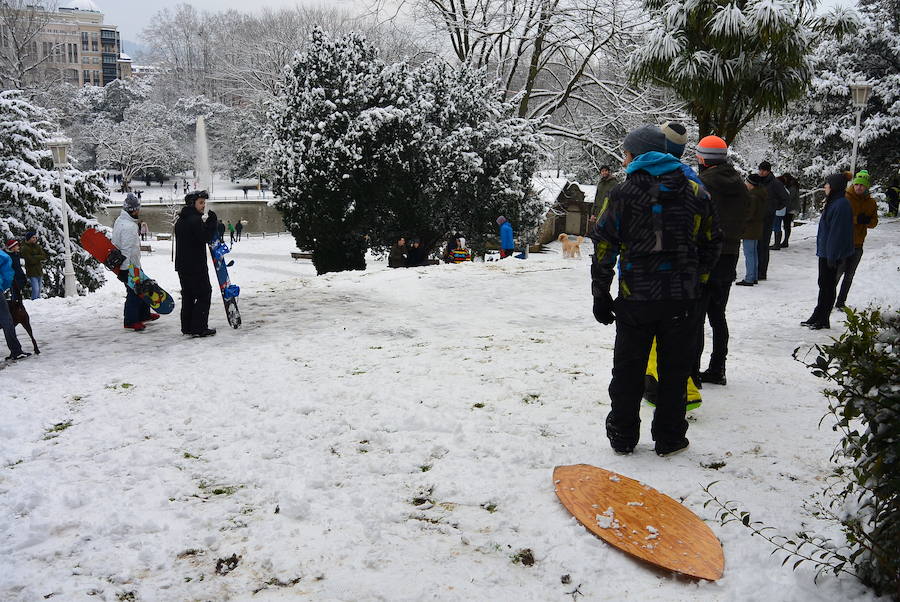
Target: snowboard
column 640, row 521
column 230, row 292
column 101, row 248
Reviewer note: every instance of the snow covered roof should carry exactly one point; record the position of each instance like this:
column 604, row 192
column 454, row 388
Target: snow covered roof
column 548, row 189
column 84, row 5
column 124, row 57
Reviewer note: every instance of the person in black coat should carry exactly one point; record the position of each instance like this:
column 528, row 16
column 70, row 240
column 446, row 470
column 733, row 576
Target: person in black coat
column 778, row 200
column 193, row 231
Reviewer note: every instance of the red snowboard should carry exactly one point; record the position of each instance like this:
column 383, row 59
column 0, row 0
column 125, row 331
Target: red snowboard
column 101, row 248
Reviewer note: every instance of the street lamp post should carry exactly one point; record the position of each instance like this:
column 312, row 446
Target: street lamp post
column 861, row 93
column 59, row 146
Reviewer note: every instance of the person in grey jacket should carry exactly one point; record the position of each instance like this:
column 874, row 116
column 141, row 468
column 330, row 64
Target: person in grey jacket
column 126, row 236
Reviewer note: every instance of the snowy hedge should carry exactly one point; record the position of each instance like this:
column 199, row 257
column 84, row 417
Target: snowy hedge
column 363, row 149
column 29, row 193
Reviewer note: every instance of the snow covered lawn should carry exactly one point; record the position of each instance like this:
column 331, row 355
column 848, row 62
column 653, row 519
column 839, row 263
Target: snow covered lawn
column 391, row 435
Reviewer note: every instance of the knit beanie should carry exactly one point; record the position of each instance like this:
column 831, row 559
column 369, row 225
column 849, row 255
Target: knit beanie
column 862, row 177
column 645, row 139
column 132, row 203
column 676, row 137
column 712, row 150
column 501, row 220
column 765, row 166
column 838, row 182
column 29, row 234
column 755, row 179
column 11, row 244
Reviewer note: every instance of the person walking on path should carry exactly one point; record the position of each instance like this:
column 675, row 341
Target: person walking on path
column 758, row 204
column 865, row 216
column 34, row 256
column 19, row 278
column 834, row 245
column 893, row 196
column 193, row 231
column 238, row 228
column 220, row 230
column 145, row 230
column 126, row 238
column 507, row 246
column 731, row 202
column 794, row 205
column 231, row 232
column 7, row 277
column 666, row 239
column 778, row 198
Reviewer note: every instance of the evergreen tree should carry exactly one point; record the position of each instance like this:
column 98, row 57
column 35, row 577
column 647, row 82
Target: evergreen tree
column 732, row 60
column 29, row 193
column 817, row 136
column 363, row 150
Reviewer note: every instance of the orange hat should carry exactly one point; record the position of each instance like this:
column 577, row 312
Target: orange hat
column 712, row 149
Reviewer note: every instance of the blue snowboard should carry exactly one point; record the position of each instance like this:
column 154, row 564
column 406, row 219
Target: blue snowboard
column 230, row 292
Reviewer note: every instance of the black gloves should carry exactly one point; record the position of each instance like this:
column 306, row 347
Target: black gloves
column 863, row 219
column 603, row 309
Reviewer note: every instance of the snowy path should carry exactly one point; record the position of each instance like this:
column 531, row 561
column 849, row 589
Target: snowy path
column 390, row 435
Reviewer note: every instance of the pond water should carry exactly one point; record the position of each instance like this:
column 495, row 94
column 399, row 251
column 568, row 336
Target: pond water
column 260, row 217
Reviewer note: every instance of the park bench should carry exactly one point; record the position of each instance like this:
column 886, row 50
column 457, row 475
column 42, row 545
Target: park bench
column 146, row 249
column 300, row 255
column 163, row 236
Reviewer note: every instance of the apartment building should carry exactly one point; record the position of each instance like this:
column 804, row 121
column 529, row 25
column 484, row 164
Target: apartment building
column 78, row 47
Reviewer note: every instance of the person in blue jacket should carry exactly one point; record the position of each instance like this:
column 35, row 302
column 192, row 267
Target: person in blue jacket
column 506, row 237
column 834, row 244
column 6, row 321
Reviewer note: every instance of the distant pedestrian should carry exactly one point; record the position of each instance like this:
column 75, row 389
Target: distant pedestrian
column 397, row 256
column 239, row 227
column 7, row 277
column 834, row 245
column 753, row 228
column 507, row 246
column 34, row 256
column 193, row 230
column 893, row 196
column 175, row 186
column 221, row 231
column 145, row 230
column 245, row 191
column 778, row 198
column 794, row 206
column 865, row 217
column 231, row 232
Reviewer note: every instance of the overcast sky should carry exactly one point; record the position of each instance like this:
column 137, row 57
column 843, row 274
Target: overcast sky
column 133, row 15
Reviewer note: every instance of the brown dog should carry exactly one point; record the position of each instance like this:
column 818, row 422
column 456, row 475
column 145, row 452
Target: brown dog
column 571, row 249
column 20, row 316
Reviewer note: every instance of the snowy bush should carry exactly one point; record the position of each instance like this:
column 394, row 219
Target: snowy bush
column 863, row 498
column 364, row 149
column 29, row 193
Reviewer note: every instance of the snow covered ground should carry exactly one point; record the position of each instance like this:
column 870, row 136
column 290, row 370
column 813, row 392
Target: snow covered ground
column 391, row 435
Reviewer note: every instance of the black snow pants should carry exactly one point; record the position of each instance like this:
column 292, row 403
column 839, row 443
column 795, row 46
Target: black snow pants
column 196, row 293
column 637, row 322
column 712, row 306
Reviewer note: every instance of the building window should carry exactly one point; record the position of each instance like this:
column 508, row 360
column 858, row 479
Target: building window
column 84, row 40
column 87, row 77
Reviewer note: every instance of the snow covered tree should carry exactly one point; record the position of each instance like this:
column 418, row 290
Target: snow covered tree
column 732, row 60
column 29, row 193
column 362, row 149
column 817, row 135
column 142, row 141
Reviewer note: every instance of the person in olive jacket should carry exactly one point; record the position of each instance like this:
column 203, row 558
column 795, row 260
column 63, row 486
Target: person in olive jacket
column 34, row 256
column 758, row 204
column 730, row 198
column 193, row 231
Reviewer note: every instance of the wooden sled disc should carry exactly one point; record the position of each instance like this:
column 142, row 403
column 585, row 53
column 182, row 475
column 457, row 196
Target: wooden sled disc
column 640, row 520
